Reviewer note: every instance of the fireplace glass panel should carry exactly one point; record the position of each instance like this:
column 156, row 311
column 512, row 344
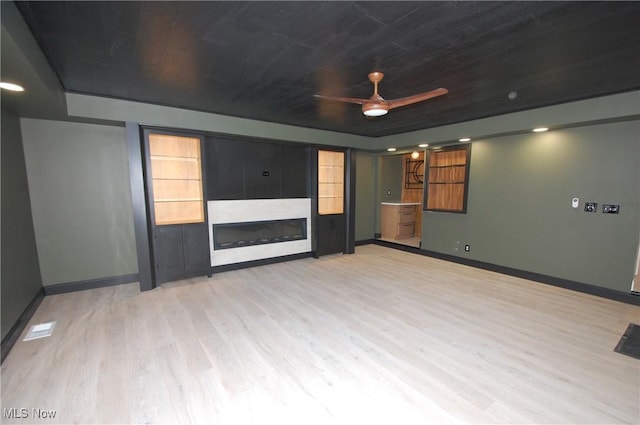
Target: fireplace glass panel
column 235, row 235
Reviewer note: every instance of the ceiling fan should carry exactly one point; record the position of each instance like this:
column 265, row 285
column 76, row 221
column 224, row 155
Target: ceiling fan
column 376, row 106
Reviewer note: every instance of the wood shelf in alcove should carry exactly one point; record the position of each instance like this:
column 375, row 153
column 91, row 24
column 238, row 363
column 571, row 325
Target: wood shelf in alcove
column 176, row 175
column 447, row 178
column 330, row 182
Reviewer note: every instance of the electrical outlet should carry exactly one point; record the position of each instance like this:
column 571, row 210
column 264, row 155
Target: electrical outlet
column 467, row 248
column 591, row 206
column 610, row 209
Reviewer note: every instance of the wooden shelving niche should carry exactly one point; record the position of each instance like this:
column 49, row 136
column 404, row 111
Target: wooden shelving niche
column 176, row 173
column 447, row 179
column 330, row 182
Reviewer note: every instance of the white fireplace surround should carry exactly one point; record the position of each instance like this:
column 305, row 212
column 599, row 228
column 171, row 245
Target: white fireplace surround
column 241, row 211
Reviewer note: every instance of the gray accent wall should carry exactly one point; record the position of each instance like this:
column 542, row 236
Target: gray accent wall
column 20, row 279
column 81, row 200
column 519, row 206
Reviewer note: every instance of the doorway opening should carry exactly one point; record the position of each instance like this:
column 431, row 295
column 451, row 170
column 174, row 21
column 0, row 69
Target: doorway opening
column 401, row 206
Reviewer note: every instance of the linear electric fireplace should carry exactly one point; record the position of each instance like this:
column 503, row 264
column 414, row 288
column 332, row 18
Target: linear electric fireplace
column 255, row 229
column 235, row 235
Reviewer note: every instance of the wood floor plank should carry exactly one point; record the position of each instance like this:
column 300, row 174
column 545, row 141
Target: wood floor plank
column 381, row 336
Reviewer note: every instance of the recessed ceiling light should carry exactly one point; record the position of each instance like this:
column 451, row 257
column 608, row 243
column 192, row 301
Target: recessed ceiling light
column 464, row 139
column 423, row 145
column 540, row 129
column 10, row 86
column 391, row 149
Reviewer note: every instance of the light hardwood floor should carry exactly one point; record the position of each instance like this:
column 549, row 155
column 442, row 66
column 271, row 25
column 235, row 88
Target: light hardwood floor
column 381, row 336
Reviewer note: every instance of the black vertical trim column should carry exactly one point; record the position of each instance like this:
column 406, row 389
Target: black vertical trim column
column 205, row 199
column 138, row 201
column 313, row 193
column 350, row 201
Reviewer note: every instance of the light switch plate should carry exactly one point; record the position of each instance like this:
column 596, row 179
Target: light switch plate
column 575, row 202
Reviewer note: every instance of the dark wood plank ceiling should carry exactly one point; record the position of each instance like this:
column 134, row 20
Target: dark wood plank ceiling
column 265, row 60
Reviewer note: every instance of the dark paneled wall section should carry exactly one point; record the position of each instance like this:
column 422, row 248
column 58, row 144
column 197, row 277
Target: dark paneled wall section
column 238, row 169
column 233, row 169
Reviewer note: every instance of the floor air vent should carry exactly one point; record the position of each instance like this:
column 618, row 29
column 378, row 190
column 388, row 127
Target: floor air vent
column 40, row 331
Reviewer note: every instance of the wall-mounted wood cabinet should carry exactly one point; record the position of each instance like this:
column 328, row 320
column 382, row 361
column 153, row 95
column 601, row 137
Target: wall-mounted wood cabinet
column 261, row 170
column 296, row 171
column 224, row 168
column 237, row 169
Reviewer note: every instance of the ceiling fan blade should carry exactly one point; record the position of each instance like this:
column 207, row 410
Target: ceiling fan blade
column 403, row 101
column 344, row 99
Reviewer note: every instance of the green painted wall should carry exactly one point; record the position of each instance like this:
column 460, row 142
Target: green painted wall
column 597, row 109
column 366, row 165
column 519, row 213
column 81, row 200
column 20, row 279
column 101, row 108
column 390, row 178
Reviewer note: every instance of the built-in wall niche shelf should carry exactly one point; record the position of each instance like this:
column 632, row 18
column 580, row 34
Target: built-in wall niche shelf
column 330, row 182
column 176, row 175
column 448, row 174
column 447, row 179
